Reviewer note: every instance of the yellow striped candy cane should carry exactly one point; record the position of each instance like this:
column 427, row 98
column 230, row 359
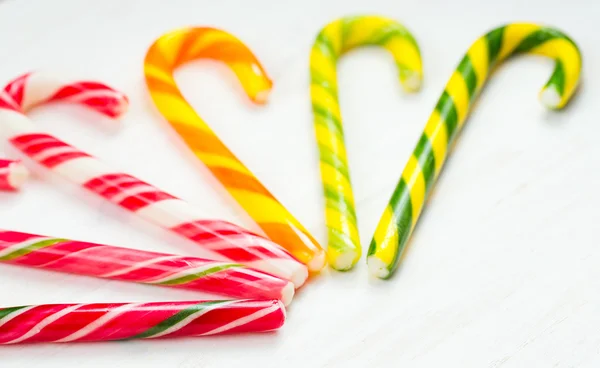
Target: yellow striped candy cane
column 448, row 117
column 178, row 47
column 333, row 41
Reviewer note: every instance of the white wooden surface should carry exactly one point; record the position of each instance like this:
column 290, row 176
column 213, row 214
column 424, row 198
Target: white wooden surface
column 503, row 270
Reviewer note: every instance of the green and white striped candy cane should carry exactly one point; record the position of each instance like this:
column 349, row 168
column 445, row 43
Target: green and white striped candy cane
column 448, row 117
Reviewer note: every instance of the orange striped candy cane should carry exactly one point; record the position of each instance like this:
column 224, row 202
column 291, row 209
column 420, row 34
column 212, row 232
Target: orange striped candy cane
column 178, row 47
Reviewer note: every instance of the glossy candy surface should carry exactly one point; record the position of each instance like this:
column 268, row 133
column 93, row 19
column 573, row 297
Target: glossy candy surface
column 336, row 39
column 219, row 240
column 125, row 264
column 62, row 323
column 448, row 118
column 181, row 46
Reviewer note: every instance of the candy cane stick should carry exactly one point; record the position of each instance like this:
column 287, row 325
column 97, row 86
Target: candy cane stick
column 176, row 48
column 124, row 264
column 219, row 239
column 12, row 174
column 333, row 41
column 423, row 168
column 62, row 323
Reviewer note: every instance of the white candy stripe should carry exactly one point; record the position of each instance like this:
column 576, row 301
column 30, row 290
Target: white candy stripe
column 244, row 320
column 15, row 314
column 22, row 245
column 14, row 124
column 187, row 272
column 170, row 213
column 189, row 319
column 109, row 316
column 53, row 151
column 139, row 265
column 82, row 169
column 132, row 191
column 39, row 87
column 45, row 322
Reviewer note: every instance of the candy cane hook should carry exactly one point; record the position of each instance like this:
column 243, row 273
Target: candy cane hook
column 219, row 240
column 178, row 47
column 427, row 160
column 337, row 38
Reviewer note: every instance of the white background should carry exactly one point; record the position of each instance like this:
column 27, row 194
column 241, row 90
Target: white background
column 503, row 270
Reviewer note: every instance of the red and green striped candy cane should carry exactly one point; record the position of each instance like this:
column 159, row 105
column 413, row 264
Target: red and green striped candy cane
column 63, row 323
column 446, row 121
column 132, row 265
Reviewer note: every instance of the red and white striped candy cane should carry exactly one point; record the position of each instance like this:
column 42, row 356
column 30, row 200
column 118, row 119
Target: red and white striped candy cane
column 12, row 174
column 125, row 264
column 220, row 240
column 119, row 321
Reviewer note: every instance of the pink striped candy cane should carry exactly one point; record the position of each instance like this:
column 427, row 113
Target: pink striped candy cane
column 124, row 264
column 119, row 321
column 220, row 240
column 12, row 174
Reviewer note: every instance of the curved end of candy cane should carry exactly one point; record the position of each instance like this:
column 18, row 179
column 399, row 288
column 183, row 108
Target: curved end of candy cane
column 18, row 175
column 180, row 46
column 378, row 268
column 34, row 89
column 258, row 90
column 550, row 98
column 287, row 294
column 411, row 81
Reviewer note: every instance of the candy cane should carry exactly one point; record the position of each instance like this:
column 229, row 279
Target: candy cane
column 425, row 164
column 178, row 47
column 124, row 264
column 333, row 41
column 61, row 323
column 219, row 239
column 12, row 174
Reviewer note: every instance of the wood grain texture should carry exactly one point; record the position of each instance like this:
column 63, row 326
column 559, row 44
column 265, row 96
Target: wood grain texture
column 502, row 270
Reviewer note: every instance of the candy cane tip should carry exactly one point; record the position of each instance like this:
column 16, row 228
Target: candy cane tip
column 412, row 82
column 283, row 310
column 550, row 97
column 377, row 267
column 18, row 175
column 317, row 262
column 299, row 277
column 344, row 261
column 261, row 97
column 287, row 294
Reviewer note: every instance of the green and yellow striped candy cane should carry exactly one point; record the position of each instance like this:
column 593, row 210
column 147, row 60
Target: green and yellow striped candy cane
column 333, row 41
column 448, row 117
